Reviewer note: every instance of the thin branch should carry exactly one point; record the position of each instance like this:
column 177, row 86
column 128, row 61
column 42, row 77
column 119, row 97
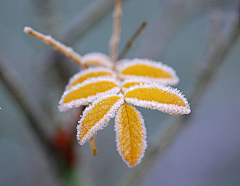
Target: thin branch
column 32, row 110
column 67, row 51
column 214, row 58
column 116, row 32
column 132, row 40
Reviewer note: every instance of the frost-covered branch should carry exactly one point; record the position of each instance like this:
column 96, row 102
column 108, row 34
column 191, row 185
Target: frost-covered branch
column 67, row 51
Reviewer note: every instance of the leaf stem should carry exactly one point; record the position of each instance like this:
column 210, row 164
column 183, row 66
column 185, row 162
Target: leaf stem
column 93, row 146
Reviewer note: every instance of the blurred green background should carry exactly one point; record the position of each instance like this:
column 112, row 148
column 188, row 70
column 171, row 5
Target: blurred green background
column 207, row 152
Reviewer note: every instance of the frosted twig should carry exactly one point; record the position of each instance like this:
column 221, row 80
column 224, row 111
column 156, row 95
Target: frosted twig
column 67, row 51
column 116, row 32
column 131, row 41
column 213, row 60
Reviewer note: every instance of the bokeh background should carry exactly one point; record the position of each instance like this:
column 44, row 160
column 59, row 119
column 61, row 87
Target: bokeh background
column 206, row 152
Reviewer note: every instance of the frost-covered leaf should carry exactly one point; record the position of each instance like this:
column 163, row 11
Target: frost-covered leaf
column 90, row 73
column 159, row 97
column 148, row 70
column 130, row 134
column 86, row 92
column 97, row 59
column 96, row 116
column 126, row 84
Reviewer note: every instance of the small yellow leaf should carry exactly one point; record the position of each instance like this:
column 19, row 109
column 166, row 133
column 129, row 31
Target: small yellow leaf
column 97, row 116
column 155, row 96
column 96, row 59
column 132, row 82
column 86, row 92
column 148, row 70
column 90, row 73
column 130, row 134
